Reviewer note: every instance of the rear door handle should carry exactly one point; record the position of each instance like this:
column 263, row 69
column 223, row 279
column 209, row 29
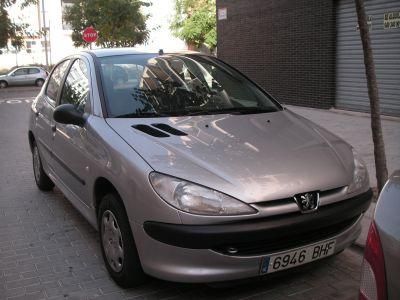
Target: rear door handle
column 53, row 128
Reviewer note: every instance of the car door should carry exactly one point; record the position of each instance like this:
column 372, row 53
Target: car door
column 70, row 152
column 33, row 74
column 44, row 108
column 18, row 77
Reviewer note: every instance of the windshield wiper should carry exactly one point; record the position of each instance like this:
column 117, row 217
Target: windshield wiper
column 249, row 110
column 142, row 115
column 231, row 110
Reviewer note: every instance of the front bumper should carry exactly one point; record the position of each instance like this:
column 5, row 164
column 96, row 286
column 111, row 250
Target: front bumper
column 201, row 253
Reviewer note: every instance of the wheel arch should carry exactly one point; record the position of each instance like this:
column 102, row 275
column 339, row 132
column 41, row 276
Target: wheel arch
column 101, row 187
column 31, row 139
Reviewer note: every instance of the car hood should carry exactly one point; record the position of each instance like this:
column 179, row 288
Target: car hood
column 254, row 158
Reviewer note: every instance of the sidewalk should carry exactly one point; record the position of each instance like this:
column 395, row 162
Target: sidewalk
column 355, row 128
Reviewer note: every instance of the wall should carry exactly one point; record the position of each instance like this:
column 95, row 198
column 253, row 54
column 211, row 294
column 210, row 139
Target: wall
column 287, row 46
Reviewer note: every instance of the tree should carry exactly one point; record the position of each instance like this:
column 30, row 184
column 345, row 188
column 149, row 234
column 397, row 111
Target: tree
column 120, row 23
column 10, row 31
column 195, row 22
column 377, row 136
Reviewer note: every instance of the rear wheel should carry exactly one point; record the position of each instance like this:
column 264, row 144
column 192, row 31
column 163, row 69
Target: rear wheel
column 117, row 244
column 43, row 181
column 3, row 84
column 39, row 82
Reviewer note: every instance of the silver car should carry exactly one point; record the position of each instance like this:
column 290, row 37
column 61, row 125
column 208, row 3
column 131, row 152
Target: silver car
column 189, row 170
column 381, row 266
column 24, row 76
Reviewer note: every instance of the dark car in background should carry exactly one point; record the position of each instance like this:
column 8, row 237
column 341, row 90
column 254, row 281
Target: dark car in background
column 24, row 76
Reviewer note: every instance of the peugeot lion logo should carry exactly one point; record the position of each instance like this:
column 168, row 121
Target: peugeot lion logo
column 307, row 202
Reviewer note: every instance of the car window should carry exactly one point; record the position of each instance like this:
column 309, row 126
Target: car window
column 20, row 72
column 55, row 80
column 176, row 85
column 33, row 71
column 76, row 87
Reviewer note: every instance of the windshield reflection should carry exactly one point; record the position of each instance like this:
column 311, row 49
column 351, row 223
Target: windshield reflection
column 178, row 85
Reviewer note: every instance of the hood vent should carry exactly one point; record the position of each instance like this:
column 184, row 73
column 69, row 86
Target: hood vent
column 169, row 129
column 150, row 130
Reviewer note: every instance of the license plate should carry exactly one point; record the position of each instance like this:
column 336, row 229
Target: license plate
column 301, row 256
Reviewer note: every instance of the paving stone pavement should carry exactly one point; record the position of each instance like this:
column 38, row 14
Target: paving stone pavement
column 355, row 128
column 48, row 251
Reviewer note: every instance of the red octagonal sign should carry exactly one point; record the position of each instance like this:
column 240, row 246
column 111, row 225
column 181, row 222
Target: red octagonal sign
column 89, row 35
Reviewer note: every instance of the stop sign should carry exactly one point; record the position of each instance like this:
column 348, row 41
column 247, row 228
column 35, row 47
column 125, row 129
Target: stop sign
column 89, row 35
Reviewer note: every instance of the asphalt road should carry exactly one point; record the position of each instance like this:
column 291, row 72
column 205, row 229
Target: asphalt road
column 48, row 251
column 21, row 92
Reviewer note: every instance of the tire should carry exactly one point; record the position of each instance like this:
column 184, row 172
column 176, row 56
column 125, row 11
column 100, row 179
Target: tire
column 117, row 243
column 43, row 181
column 3, row 84
column 39, row 82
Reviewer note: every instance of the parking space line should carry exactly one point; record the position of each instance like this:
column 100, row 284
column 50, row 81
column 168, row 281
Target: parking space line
column 17, row 100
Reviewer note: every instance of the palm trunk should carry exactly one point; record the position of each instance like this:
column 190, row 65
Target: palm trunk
column 377, row 136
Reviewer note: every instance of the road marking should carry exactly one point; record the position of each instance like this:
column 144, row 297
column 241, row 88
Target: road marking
column 17, row 101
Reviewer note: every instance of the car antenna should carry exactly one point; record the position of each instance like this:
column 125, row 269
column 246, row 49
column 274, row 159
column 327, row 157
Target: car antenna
column 161, row 52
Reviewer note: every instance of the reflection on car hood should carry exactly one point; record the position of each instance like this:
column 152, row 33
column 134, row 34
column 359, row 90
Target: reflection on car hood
column 254, row 157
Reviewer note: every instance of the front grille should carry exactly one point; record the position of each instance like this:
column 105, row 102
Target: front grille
column 285, row 201
column 285, row 241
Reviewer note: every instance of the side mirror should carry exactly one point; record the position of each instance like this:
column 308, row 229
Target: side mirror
column 13, row 74
column 68, row 114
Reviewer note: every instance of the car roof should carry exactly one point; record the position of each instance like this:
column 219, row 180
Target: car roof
column 26, row 67
column 103, row 52
column 22, row 67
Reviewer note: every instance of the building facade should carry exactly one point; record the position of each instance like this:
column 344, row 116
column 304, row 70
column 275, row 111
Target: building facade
column 309, row 52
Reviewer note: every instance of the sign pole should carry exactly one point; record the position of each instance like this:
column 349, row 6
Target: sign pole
column 45, row 34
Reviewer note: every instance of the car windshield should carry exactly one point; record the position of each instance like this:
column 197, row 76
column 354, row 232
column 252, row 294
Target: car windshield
column 137, row 86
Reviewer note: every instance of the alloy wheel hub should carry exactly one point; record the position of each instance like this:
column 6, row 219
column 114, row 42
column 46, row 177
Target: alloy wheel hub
column 112, row 241
column 36, row 164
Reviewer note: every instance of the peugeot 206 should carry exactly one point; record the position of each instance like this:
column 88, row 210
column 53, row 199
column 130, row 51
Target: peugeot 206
column 189, row 170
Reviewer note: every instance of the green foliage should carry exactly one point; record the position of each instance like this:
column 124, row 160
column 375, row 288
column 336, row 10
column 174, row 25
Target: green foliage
column 195, row 22
column 120, row 23
column 8, row 29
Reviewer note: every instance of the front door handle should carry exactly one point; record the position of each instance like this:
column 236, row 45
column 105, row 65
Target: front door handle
column 53, row 128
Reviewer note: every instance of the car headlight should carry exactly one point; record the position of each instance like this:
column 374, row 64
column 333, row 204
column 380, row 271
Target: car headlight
column 196, row 199
column 360, row 174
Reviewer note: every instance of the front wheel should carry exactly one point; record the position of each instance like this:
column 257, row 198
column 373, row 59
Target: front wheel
column 43, row 181
column 117, row 244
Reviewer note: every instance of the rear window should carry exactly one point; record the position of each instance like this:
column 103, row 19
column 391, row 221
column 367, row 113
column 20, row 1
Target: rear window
column 33, row 71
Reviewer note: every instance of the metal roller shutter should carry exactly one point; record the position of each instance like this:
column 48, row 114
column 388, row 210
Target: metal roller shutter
column 351, row 86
